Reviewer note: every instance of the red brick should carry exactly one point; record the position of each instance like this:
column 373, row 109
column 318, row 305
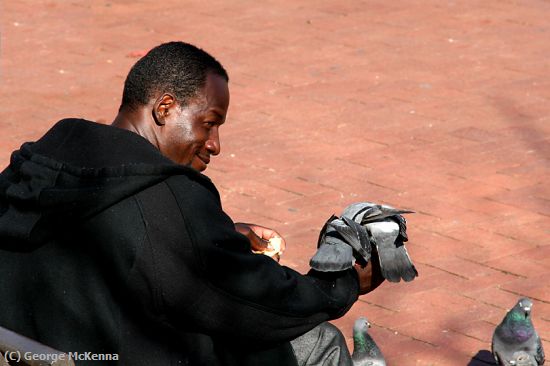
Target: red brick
column 514, row 264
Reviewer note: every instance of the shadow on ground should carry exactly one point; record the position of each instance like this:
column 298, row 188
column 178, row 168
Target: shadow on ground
column 482, row 358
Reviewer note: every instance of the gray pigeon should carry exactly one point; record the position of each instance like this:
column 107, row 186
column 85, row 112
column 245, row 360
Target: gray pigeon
column 333, row 254
column 365, row 226
column 395, row 262
column 355, row 235
column 337, row 241
column 365, row 350
column 365, row 212
column 516, row 334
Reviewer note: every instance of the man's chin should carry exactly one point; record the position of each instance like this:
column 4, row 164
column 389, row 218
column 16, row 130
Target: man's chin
column 198, row 165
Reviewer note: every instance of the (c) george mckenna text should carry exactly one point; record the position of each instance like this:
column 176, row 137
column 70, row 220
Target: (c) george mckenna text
column 19, row 356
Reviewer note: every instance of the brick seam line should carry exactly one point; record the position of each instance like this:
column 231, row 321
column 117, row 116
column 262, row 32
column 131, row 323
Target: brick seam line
column 494, row 268
column 405, row 335
column 520, row 294
column 378, row 306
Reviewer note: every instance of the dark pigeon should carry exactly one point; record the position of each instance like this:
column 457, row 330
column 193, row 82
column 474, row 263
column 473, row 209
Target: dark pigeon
column 366, row 226
column 333, row 254
column 365, row 350
column 356, row 236
column 516, row 334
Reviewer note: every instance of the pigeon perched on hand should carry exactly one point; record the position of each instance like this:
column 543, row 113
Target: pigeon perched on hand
column 333, row 254
column 365, row 228
column 516, row 335
column 365, row 350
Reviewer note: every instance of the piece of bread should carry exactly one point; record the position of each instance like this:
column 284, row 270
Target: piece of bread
column 276, row 245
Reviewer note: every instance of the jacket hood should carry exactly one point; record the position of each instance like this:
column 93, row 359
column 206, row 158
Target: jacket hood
column 77, row 169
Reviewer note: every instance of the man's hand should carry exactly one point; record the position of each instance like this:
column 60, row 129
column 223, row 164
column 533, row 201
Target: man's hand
column 370, row 277
column 259, row 237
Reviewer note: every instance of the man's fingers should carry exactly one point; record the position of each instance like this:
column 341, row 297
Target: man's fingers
column 259, row 244
column 262, row 239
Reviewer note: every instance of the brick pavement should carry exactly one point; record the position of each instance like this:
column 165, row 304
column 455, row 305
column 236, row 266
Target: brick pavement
column 440, row 107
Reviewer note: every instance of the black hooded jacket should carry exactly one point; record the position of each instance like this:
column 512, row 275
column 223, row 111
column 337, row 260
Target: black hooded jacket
column 108, row 247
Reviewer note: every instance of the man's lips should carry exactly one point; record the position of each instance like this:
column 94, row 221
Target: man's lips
column 205, row 159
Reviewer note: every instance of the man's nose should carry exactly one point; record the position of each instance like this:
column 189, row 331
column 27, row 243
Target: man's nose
column 213, row 142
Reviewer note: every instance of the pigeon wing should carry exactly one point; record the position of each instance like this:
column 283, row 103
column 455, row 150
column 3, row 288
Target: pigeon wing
column 333, row 255
column 539, row 356
column 395, row 262
column 402, row 222
column 323, row 231
column 496, row 348
column 355, row 235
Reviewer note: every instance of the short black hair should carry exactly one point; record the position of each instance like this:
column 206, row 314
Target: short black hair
column 175, row 67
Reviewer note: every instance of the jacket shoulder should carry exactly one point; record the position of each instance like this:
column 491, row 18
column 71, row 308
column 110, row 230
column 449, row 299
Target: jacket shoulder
column 195, row 187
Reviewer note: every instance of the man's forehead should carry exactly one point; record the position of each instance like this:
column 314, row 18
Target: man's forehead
column 216, row 92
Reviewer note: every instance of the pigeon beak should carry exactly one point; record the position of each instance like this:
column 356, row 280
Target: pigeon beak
column 527, row 311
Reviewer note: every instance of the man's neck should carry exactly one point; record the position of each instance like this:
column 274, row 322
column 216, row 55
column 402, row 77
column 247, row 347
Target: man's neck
column 137, row 120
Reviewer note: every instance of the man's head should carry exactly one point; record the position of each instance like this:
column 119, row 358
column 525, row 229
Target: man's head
column 177, row 97
column 176, row 67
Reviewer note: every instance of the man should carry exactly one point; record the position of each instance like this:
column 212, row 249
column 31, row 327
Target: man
column 113, row 242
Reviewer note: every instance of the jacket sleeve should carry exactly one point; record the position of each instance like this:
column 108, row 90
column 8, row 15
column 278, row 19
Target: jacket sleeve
column 204, row 277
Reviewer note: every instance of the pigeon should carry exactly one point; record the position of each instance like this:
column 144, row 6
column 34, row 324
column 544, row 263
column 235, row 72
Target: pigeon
column 395, row 262
column 365, row 350
column 365, row 229
column 365, row 212
column 337, row 241
column 356, row 236
column 333, row 254
column 515, row 336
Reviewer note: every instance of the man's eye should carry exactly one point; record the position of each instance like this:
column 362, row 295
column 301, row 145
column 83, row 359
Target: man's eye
column 210, row 124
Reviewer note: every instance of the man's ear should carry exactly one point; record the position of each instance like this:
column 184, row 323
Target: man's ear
column 163, row 107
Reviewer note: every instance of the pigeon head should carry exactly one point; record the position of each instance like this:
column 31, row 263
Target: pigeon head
column 361, row 325
column 522, row 310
